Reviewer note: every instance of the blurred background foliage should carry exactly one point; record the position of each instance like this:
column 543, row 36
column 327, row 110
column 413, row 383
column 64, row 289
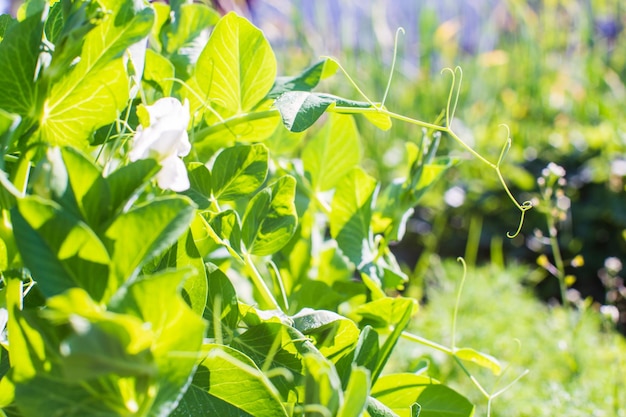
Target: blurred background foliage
column 553, row 71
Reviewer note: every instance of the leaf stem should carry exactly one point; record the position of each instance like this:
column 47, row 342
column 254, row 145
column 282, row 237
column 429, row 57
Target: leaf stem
column 260, row 284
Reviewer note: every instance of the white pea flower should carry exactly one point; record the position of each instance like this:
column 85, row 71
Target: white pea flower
column 165, row 140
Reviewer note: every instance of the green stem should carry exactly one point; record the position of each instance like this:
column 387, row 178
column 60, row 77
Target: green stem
column 260, row 284
column 233, row 121
column 425, row 342
column 558, row 259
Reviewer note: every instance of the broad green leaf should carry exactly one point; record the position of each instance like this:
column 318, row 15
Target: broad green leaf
column 322, row 384
column 225, row 229
column 158, row 73
column 367, row 348
column 184, row 253
column 137, row 235
column 270, row 218
column 6, row 21
column 19, row 52
column 355, row 400
column 442, row 401
column 222, row 306
column 399, row 391
column 60, row 250
column 229, row 376
column 237, row 67
column 185, row 38
column 89, row 188
column 49, row 395
column 100, row 343
column 8, row 124
column 479, row 358
column 405, row 307
column 198, row 402
column 27, row 348
column 307, row 80
column 332, row 152
column 384, row 312
column 351, row 212
column 334, row 335
column 178, row 331
column 377, row 409
column 127, row 181
column 96, row 88
column 199, row 185
column 395, row 203
column 300, row 109
column 239, row 171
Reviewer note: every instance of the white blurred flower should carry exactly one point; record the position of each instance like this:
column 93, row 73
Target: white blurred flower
column 165, row 140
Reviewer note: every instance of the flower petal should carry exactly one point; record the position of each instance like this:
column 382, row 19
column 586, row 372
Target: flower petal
column 173, row 175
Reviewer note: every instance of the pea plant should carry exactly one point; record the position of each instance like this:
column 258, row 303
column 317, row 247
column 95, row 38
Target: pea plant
column 186, row 233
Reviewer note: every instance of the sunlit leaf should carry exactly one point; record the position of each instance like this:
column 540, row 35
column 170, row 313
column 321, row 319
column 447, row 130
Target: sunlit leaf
column 351, row 214
column 60, row 250
column 479, row 358
column 239, row 171
column 270, row 219
column 332, row 152
column 355, row 401
column 225, row 374
column 307, row 80
column 92, row 93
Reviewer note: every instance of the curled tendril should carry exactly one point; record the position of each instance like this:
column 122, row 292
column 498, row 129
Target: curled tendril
column 455, row 91
column 393, row 64
column 524, row 207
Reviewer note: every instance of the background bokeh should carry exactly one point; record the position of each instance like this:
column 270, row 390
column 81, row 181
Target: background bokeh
column 553, row 71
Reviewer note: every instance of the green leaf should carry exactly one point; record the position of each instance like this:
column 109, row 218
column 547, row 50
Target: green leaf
column 225, row 229
column 222, row 306
column 228, row 375
column 355, row 401
column 239, row 171
column 270, row 218
column 300, row 109
column 322, row 384
column 377, row 409
column 199, row 185
column 400, row 391
column 185, row 38
column 60, row 250
column 92, row 92
column 19, row 52
column 137, row 235
column 395, row 204
column 480, row 359
column 100, row 343
column 178, row 331
column 334, row 335
column 332, row 152
column 307, row 80
column 237, row 68
column 89, row 188
column 367, row 348
column 184, row 253
column 351, row 212
column 442, row 401
column 6, row 21
column 127, row 181
column 405, row 307
column 159, row 73
column 198, row 402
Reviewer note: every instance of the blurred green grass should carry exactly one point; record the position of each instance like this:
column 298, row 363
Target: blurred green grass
column 575, row 358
